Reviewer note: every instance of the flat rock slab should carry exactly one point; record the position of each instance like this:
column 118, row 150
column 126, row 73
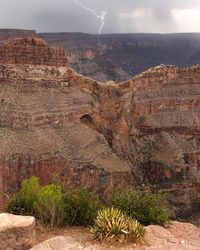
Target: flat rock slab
column 16, row 232
column 70, row 243
column 59, row 243
column 177, row 236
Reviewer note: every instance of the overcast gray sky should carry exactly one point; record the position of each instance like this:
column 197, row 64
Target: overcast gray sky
column 122, row 15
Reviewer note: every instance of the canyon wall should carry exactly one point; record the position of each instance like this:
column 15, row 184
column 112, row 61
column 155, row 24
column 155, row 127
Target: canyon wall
column 119, row 57
column 55, row 123
column 43, row 111
column 34, row 51
column 165, row 132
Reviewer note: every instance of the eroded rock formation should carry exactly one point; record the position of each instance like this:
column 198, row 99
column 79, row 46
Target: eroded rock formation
column 118, row 57
column 57, row 123
column 12, row 33
column 43, row 112
column 165, row 103
column 31, row 51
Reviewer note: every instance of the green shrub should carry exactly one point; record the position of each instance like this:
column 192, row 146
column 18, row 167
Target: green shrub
column 141, row 204
column 112, row 225
column 50, row 205
column 81, row 207
column 23, row 202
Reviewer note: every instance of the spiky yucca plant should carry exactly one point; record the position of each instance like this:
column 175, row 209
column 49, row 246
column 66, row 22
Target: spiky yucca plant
column 136, row 229
column 112, row 224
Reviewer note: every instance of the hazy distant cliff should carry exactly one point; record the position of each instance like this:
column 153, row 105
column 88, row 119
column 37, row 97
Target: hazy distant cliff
column 121, row 56
column 118, row 57
column 9, row 33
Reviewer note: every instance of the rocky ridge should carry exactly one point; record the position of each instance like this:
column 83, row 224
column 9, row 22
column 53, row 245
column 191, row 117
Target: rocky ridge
column 34, row 51
column 57, row 123
column 13, row 33
column 118, row 57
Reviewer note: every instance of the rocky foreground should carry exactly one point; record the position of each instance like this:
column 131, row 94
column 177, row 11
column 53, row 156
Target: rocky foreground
column 57, row 123
column 18, row 233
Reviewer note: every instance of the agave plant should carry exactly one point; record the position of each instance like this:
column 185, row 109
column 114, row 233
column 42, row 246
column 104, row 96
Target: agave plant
column 136, row 229
column 112, row 224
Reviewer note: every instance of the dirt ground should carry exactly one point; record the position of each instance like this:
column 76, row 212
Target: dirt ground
column 81, row 234
column 174, row 236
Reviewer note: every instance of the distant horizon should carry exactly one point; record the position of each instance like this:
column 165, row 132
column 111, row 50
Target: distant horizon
column 85, row 33
column 102, row 16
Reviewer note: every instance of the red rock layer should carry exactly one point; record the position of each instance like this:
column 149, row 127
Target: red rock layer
column 146, row 130
column 46, row 124
column 33, row 51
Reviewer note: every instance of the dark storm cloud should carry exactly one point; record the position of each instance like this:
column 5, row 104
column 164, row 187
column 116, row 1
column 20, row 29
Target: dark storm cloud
column 123, row 15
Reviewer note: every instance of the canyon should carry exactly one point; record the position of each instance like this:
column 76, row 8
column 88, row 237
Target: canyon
column 119, row 57
column 56, row 123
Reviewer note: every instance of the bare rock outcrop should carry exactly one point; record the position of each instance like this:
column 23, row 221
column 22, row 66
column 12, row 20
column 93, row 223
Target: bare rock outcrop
column 55, row 122
column 59, row 243
column 177, row 236
column 13, row 33
column 164, row 132
column 35, row 51
column 16, row 232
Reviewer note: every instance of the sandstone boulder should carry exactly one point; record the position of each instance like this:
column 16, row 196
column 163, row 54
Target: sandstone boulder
column 16, row 232
column 177, row 236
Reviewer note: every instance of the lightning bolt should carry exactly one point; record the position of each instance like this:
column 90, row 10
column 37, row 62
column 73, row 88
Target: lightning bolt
column 101, row 16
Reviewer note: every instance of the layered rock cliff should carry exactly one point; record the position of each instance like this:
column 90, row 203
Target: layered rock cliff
column 57, row 123
column 45, row 112
column 164, row 132
column 31, row 51
column 118, row 57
